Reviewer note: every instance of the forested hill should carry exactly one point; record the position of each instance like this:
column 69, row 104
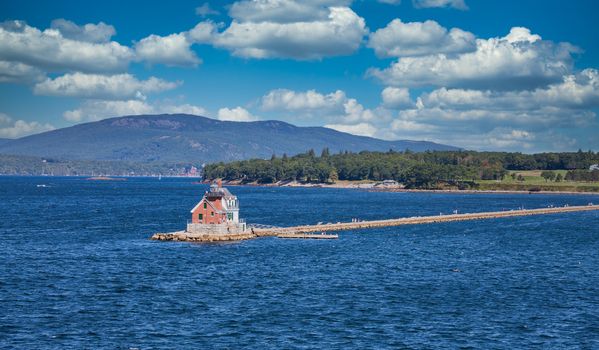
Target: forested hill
column 423, row 170
column 193, row 139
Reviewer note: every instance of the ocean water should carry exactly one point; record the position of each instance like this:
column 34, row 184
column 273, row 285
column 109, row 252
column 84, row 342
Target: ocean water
column 77, row 271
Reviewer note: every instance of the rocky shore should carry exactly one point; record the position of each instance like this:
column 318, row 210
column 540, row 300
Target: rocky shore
column 379, row 187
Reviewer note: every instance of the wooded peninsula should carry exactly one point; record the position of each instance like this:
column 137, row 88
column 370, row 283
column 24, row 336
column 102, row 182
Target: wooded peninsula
column 423, row 170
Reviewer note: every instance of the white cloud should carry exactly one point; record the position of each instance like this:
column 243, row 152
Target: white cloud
column 395, row 98
column 390, row 2
column 202, row 33
column 171, row 50
column 361, row 129
column 283, row 99
column 237, row 114
column 306, row 30
column 419, row 38
column 580, row 91
column 458, row 4
column 10, row 128
column 93, row 110
column 355, row 112
column 306, row 106
column 15, row 72
column 184, row 109
column 340, row 33
column 93, row 33
column 283, row 11
column 205, row 10
column 506, row 138
column 519, row 60
column 542, row 119
column 410, row 126
column 50, row 50
column 117, row 87
column 175, row 49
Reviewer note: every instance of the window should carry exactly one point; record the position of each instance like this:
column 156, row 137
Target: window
column 230, row 216
column 205, row 205
column 200, row 217
column 211, row 213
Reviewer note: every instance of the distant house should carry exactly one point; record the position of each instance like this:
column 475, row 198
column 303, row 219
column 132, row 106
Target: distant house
column 594, row 167
column 218, row 206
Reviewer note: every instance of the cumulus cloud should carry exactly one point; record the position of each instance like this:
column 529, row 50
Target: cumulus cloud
column 202, row 33
column 304, row 106
column 16, row 72
column 541, row 119
column 305, row 30
column 171, row 50
column 51, row 50
column 361, row 129
column 93, row 33
column 520, row 60
column 288, row 29
column 116, row 87
column 205, row 10
column 419, row 38
column 283, row 11
column 237, row 114
column 395, row 98
column 93, row 110
column 183, row 109
column 10, row 128
column 458, row 4
column 577, row 91
column 175, row 49
column 311, row 100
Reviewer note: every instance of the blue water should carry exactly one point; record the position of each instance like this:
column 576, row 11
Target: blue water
column 77, row 271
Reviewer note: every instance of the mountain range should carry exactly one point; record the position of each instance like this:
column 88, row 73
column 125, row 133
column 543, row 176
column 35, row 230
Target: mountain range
column 190, row 138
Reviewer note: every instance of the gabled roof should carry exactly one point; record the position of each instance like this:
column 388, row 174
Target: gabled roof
column 210, row 204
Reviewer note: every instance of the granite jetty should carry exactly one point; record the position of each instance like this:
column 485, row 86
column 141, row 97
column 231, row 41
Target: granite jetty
column 216, row 218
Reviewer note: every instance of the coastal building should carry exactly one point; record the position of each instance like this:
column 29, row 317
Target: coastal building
column 216, row 213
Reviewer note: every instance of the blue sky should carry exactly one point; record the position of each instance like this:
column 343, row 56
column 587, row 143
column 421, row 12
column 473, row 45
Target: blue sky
column 485, row 75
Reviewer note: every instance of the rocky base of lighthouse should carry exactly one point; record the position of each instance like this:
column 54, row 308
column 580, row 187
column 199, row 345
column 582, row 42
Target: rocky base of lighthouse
column 182, row 236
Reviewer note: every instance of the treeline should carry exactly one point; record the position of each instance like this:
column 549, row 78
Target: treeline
column 582, row 175
column 514, row 160
column 27, row 165
column 418, row 170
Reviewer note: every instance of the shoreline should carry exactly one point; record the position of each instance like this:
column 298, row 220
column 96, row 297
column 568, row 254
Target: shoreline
column 370, row 186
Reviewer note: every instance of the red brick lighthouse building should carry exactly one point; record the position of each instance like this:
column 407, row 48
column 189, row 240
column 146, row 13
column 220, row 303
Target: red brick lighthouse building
column 217, row 212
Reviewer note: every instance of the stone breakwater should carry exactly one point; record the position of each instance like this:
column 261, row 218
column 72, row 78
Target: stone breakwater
column 297, row 230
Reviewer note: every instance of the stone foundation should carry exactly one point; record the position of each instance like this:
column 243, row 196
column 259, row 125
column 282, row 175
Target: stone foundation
column 216, row 229
column 182, row 236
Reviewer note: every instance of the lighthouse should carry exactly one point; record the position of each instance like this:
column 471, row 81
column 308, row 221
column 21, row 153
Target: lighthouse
column 216, row 213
